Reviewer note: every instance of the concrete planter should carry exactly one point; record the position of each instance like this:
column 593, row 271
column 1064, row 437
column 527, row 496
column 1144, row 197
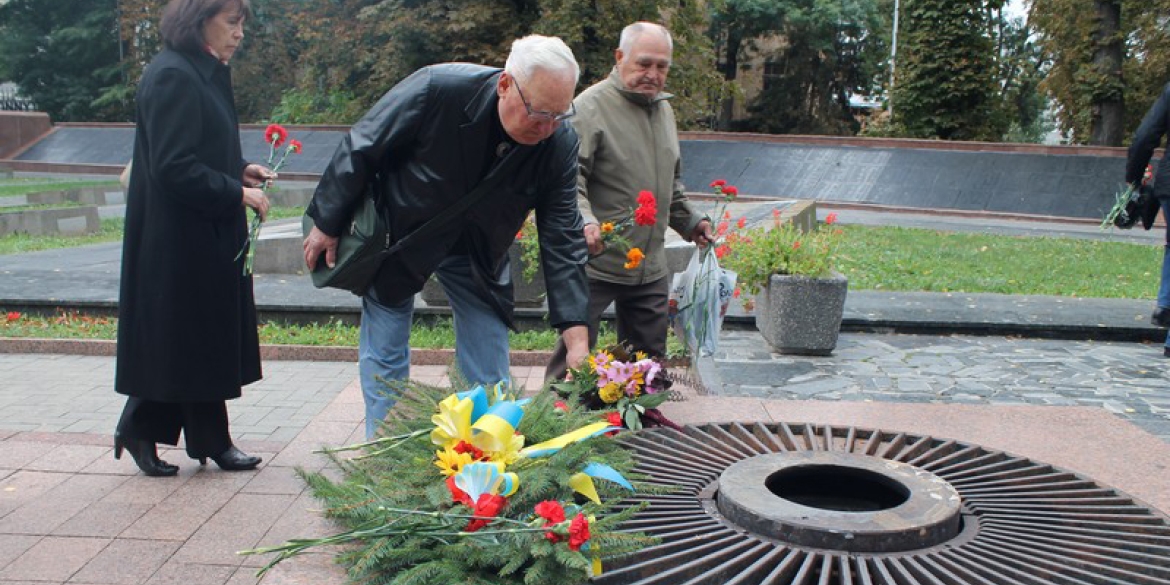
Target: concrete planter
column 802, row 315
column 525, row 294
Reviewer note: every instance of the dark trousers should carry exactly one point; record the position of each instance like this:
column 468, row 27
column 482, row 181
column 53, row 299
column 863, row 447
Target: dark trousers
column 641, row 319
column 204, row 424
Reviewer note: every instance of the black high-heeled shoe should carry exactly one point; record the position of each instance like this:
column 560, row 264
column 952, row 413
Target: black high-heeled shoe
column 233, row 460
column 145, row 455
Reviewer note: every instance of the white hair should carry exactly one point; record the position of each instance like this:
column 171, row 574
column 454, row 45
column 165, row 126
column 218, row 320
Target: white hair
column 633, row 32
column 548, row 54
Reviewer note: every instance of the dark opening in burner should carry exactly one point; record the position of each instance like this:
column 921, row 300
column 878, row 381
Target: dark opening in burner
column 837, row 488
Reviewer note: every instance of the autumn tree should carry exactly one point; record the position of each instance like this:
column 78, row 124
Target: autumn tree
column 1108, row 63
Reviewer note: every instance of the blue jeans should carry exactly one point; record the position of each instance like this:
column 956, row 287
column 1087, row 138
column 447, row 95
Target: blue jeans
column 481, row 340
column 1164, row 287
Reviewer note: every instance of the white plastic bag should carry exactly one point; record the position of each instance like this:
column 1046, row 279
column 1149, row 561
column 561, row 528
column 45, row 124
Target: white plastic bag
column 699, row 297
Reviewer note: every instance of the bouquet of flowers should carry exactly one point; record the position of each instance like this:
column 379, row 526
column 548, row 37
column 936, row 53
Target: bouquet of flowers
column 275, row 135
column 479, row 487
column 613, row 233
column 1133, row 202
column 632, row 385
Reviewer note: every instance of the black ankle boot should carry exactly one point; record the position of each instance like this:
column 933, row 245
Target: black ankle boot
column 145, row 455
column 233, row 460
column 1161, row 317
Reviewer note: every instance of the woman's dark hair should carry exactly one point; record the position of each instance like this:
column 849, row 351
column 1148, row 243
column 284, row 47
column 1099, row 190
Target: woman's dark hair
column 182, row 21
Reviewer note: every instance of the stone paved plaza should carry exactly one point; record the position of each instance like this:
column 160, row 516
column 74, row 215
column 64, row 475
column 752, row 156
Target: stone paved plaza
column 1129, row 380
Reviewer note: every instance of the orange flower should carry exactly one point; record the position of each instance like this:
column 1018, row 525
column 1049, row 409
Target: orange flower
column 634, row 258
column 275, row 135
column 796, row 245
column 607, row 227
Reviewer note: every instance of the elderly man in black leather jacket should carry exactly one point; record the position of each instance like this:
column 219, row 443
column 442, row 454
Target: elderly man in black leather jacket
column 429, row 141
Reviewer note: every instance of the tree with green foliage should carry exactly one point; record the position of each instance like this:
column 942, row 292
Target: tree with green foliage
column 735, row 26
column 592, row 29
column 1021, row 66
column 1112, row 80
column 63, row 54
column 945, row 87
column 830, row 51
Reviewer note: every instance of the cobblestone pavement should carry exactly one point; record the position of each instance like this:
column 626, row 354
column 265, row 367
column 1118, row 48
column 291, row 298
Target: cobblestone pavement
column 48, row 393
column 1130, row 380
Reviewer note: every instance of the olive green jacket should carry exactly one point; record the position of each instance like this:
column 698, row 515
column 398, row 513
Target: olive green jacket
column 629, row 144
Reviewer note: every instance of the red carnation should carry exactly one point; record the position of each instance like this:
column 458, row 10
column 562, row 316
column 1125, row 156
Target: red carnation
column 578, row 532
column 465, row 447
column 488, row 506
column 12, row 316
column 275, row 135
column 561, row 406
column 457, row 495
column 295, row 145
column 730, row 191
column 552, row 511
column 646, row 198
column 742, row 222
column 718, row 183
column 646, row 215
column 831, row 218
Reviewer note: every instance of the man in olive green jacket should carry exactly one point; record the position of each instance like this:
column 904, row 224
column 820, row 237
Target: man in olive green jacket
column 629, row 144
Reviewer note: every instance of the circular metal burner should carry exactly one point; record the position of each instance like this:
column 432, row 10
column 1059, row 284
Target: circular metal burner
column 746, row 514
column 840, row 501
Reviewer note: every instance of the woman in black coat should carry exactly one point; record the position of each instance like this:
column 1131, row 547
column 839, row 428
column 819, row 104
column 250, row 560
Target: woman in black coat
column 187, row 338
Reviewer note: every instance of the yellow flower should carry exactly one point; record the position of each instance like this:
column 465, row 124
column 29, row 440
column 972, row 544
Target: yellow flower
column 607, row 227
column 510, row 454
column 610, row 393
column 634, row 258
column 449, row 462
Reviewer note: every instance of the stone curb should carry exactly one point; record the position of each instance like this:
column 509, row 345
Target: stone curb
column 104, row 347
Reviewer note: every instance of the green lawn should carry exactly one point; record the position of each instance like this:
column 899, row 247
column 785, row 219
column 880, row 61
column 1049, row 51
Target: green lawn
column 874, row 258
column 23, row 186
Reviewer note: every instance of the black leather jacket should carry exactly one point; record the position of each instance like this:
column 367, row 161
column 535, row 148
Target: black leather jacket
column 1146, row 139
column 425, row 143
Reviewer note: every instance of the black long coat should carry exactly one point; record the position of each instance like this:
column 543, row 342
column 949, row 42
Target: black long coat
column 426, row 143
column 186, row 314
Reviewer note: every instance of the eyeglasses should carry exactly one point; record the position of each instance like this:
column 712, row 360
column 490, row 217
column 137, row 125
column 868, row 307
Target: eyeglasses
column 539, row 116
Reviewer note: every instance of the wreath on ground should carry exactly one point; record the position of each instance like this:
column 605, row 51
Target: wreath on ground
column 479, row 487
